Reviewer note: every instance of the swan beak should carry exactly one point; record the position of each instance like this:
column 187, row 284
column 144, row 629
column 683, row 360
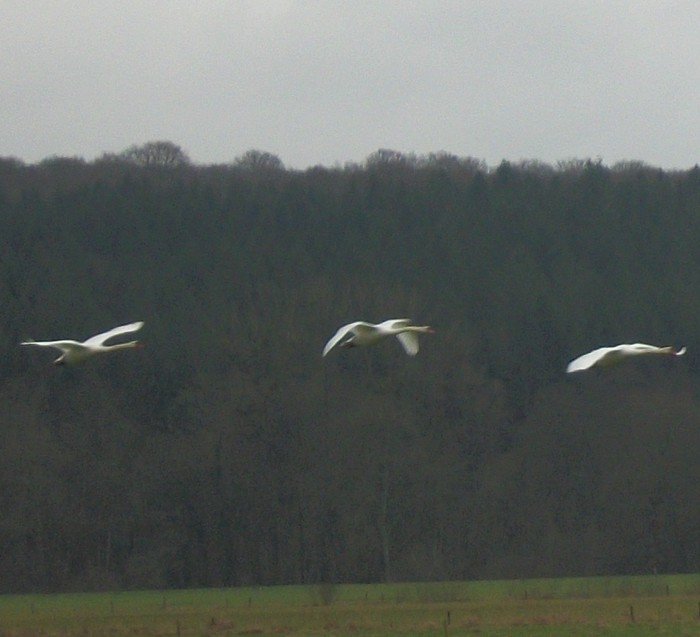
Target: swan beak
column 139, row 345
column 347, row 345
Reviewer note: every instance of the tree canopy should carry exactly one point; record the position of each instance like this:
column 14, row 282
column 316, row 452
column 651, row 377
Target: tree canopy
column 229, row 452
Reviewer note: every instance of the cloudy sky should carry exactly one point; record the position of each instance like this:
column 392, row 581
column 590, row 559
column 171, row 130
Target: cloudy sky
column 331, row 81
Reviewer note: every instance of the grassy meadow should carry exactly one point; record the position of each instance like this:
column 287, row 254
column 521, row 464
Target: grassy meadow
column 643, row 605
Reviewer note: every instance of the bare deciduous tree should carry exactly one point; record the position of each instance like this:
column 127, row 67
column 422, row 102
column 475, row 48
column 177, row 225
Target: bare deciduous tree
column 157, row 153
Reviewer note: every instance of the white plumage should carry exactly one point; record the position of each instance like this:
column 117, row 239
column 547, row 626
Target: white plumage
column 606, row 356
column 76, row 352
column 363, row 333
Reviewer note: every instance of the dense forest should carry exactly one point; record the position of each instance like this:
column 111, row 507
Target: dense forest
column 228, row 451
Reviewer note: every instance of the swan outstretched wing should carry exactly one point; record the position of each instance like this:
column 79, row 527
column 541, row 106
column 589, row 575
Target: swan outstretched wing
column 341, row 333
column 64, row 345
column 409, row 341
column 99, row 339
column 586, row 361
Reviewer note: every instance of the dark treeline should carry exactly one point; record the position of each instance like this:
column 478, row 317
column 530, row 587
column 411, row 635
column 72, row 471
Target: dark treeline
column 228, row 452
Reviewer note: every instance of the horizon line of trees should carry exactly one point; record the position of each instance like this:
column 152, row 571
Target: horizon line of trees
column 167, row 154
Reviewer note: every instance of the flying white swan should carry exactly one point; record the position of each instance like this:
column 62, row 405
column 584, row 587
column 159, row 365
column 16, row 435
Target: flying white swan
column 76, row 352
column 606, row 356
column 363, row 333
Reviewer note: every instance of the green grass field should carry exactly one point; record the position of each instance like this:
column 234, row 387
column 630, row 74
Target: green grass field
column 648, row 605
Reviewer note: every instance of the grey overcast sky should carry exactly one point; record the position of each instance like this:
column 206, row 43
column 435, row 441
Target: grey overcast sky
column 331, row 81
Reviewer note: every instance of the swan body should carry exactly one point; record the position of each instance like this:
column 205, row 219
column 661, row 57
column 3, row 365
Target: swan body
column 363, row 333
column 606, row 356
column 76, row 352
